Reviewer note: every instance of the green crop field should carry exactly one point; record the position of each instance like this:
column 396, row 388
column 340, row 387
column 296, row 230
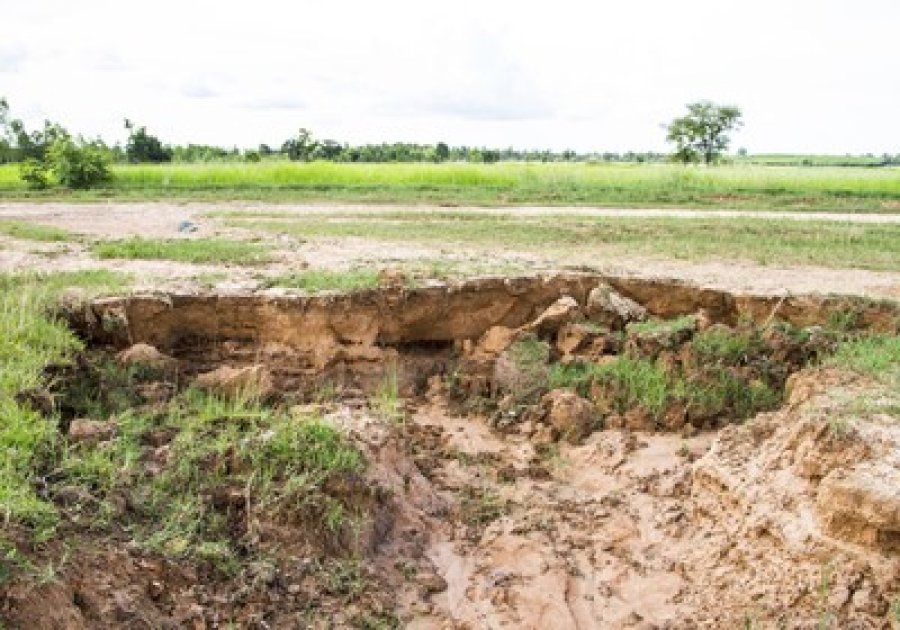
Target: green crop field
column 626, row 185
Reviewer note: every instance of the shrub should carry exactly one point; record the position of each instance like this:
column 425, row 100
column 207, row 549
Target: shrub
column 35, row 174
column 78, row 164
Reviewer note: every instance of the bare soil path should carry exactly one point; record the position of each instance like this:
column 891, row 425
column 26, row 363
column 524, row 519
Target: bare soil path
column 161, row 220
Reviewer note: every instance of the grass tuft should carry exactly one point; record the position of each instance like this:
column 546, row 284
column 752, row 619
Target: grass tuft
column 196, row 251
column 35, row 232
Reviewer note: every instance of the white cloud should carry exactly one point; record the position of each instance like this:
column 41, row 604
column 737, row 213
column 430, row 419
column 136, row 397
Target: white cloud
column 811, row 75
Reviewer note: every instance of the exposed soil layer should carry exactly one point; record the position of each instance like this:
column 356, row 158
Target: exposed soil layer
column 516, row 478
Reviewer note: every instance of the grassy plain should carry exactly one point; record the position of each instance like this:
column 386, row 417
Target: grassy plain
column 626, row 185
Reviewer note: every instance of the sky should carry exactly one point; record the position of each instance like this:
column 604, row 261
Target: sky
column 812, row 76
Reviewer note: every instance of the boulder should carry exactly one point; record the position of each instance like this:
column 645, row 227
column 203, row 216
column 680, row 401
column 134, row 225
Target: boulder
column 82, row 430
column 609, row 308
column 562, row 311
column 570, row 416
column 254, row 381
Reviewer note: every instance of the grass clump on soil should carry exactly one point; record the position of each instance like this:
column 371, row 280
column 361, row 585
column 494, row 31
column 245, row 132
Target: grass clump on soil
column 876, row 355
column 327, row 280
column 703, row 376
column 35, row 232
column 197, row 251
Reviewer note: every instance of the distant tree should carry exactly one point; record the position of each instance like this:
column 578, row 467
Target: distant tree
column 742, row 152
column 143, row 147
column 702, row 134
column 301, row 147
column 441, row 152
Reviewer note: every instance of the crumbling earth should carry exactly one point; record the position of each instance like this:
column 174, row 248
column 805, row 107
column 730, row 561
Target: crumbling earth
column 516, row 477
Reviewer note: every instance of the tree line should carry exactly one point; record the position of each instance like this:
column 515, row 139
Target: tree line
column 50, row 154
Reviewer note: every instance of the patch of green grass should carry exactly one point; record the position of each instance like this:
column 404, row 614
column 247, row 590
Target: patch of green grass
column 314, row 280
column 670, row 326
column 29, row 339
column 281, row 463
column 877, row 355
column 35, row 232
column 196, row 251
column 720, row 344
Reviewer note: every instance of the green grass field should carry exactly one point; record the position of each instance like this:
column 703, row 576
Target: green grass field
column 738, row 186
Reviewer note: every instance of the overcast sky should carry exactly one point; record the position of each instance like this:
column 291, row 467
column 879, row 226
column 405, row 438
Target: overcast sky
column 810, row 75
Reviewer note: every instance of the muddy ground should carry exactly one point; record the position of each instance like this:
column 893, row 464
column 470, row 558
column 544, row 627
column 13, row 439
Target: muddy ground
column 488, row 501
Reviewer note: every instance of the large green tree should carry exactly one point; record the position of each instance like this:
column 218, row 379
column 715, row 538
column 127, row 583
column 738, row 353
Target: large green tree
column 703, row 133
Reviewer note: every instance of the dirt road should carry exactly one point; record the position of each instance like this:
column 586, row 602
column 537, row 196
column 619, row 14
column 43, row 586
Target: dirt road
column 161, row 220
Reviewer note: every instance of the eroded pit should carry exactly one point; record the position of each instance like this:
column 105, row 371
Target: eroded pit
column 569, row 451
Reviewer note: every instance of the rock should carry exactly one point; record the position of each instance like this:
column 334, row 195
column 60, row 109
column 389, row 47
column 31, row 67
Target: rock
column 431, row 583
column 145, row 355
column 253, row 381
column 495, row 340
column 607, row 307
column 572, row 337
column 571, row 416
column 562, row 311
column 93, row 431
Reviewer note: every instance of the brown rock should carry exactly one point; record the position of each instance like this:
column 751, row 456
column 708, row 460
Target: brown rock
column 93, row 431
column 570, row 415
column 561, row 312
column 253, row 381
column 606, row 306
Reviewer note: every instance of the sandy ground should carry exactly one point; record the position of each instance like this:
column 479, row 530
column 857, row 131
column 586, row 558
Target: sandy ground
column 161, row 219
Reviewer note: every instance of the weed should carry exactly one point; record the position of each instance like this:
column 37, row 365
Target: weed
column 184, row 250
column 386, row 401
column 654, row 325
column 35, row 232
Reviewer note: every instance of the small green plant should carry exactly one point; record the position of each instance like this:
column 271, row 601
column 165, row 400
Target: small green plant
column 387, row 402
column 671, row 326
